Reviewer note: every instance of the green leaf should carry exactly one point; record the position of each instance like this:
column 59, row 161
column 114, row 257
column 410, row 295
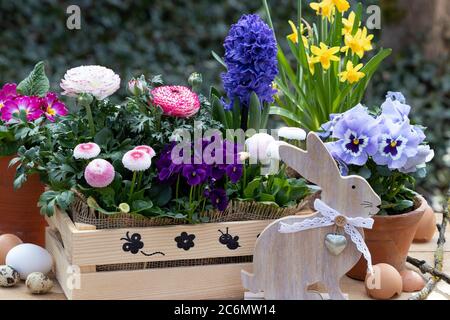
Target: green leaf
column 266, row 197
column 236, row 114
column 19, row 181
column 103, row 137
column 218, row 112
column 252, row 188
column 254, row 116
column 219, row 59
column 36, row 84
column 403, row 205
column 141, row 205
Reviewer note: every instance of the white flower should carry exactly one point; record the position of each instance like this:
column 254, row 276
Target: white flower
column 98, row 81
column 273, row 149
column 243, row 156
column 86, row 151
column 257, row 147
column 137, row 160
column 292, row 133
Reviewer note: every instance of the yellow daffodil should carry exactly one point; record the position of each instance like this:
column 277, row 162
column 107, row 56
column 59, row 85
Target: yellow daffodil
column 352, row 74
column 365, row 39
column 349, row 23
column 341, row 5
column 358, row 43
column 324, row 55
column 294, row 35
column 325, row 8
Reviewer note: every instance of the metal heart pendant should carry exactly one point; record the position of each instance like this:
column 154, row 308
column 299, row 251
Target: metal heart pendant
column 335, row 243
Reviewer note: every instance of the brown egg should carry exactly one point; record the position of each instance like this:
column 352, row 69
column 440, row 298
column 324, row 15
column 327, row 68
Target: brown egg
column 385, row 283
column 427, row 226
column 412, row 281
column 7, row 242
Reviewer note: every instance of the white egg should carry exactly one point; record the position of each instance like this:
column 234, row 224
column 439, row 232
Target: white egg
column 38, row 283
column 27, row 258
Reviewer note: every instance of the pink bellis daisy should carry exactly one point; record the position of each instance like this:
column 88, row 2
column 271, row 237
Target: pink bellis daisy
column 86, row 151
column 137, row 160
column 53, row 107
column 177, row 101
column 147, row 149
column 99, row 173
column 30, row 105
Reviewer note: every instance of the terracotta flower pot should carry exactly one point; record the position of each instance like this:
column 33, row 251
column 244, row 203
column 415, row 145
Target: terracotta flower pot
column 19, row 213
column 389, row 240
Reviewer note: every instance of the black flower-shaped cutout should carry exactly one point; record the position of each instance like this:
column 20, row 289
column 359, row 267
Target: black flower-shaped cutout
column 185, row 241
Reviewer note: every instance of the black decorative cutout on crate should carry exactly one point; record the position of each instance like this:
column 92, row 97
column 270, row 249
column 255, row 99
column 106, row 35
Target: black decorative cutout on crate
column 185, row 241
column 228, row 240
column 134, row 245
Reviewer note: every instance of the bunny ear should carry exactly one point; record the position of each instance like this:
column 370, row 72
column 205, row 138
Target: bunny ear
column 317, row 165
column 319, row 153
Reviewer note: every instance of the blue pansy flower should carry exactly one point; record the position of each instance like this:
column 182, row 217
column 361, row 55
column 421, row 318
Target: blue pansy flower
column 396, row 143
column 356, row 132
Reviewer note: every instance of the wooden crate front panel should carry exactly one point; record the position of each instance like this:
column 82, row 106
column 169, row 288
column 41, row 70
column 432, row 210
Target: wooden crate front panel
column 200, row 282
column 186, row 283
column 115, row 246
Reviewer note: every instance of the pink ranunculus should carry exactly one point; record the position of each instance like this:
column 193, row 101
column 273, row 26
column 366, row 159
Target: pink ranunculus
column 137, row 160
column 177, row 101
column 30, row 105
column 99, row 173
column 86, row 151
column 52, row 107
column 147, row 149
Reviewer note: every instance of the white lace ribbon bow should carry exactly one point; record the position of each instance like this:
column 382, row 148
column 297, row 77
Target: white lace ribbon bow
column 327, row 219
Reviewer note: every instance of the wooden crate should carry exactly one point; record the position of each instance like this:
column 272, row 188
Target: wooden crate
column 86, row 251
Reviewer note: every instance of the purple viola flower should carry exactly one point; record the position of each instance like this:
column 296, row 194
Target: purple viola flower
column 219, row 199
column 251, row 59
column 356, row 132
column 396, row 143
column 194, row 174
column 216, row 172
column 234, row 172
column 53, row 107
column 424, row 154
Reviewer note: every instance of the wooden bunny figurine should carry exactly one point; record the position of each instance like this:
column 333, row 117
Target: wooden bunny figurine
column 285, row 264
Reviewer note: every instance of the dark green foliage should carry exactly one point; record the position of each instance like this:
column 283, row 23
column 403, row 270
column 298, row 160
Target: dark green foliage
column 172, row 37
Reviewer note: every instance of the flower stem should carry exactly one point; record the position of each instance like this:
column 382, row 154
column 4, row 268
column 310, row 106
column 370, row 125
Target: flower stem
column 177, row 188
column 133, row 182
column 90, row 119
column 141, row 174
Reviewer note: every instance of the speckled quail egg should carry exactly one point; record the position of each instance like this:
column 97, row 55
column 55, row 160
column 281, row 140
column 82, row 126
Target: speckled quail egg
column 38, row 283
column 8, row 276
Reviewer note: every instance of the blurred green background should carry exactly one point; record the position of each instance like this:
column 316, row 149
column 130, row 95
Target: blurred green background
column 175, row 38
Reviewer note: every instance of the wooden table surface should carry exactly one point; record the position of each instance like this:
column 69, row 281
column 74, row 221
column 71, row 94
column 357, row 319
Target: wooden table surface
column 354, row 289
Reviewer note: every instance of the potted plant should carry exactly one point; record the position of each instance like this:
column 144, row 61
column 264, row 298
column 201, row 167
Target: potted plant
column 142, row 174
column 24, row 110
column 386, row 149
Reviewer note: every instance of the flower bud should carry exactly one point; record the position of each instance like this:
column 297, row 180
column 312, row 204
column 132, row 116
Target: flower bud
column 137, row 86
column 195, row 81
column 124, row 207
column 85, row 99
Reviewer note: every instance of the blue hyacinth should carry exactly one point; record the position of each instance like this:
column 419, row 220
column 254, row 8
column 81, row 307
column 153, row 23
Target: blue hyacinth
column 251, row 59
